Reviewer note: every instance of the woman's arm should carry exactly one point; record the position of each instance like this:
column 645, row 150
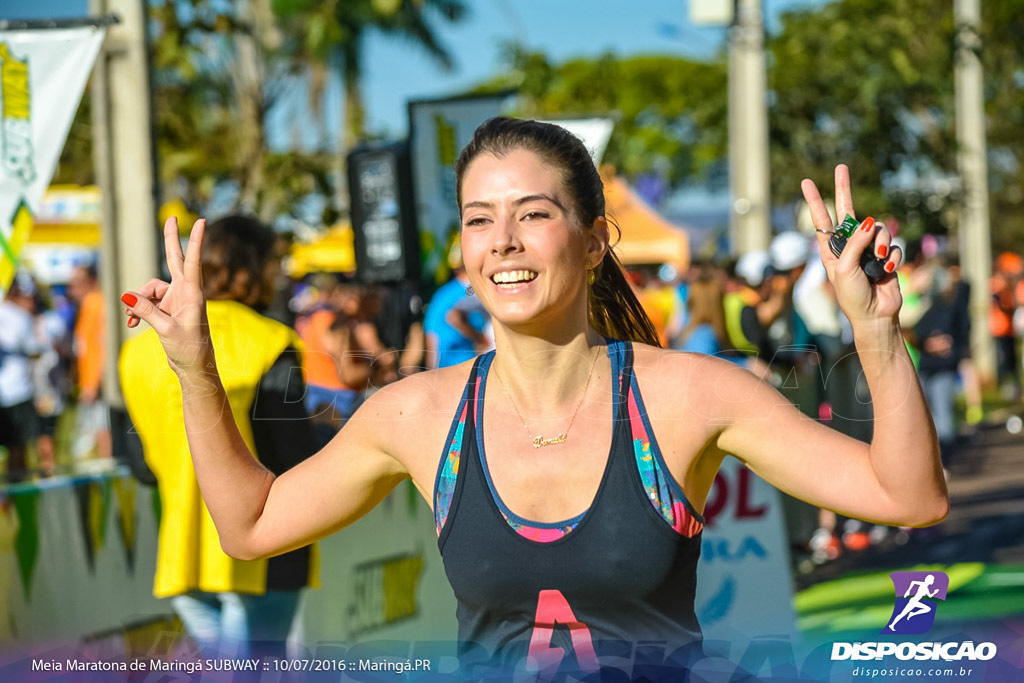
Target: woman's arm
column 897, row 478
column 352, row 362
column 256, row 513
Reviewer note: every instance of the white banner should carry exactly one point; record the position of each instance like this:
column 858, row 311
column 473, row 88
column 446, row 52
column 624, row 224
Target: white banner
column 42, row 75
column 595, row 133
column 744, row 588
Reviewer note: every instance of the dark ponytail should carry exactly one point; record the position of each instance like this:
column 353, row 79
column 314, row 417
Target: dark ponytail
column 614, row 309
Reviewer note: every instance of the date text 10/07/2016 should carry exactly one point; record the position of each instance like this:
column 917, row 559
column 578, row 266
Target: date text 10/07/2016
column 389, row 665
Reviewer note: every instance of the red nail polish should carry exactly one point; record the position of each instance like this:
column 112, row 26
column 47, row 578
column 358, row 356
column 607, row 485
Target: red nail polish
column 868, row 225
column 129, row 299
column 890, row 266
column 882, row 251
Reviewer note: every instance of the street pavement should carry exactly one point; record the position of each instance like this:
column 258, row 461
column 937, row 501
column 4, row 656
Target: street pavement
column 986, row 517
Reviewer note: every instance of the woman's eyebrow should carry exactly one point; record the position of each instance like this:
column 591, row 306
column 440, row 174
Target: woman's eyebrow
column 540, row 197
column 481, row 204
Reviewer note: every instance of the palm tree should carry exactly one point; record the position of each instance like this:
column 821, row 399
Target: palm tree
column 333, row 33
column 216, row 75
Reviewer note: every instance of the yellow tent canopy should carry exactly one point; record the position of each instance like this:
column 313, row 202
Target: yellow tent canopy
column 72, row 215
column 68, row 215
column 334, row 252
column 647, row 238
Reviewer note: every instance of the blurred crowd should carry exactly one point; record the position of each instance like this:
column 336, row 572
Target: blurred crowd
column 770, row 311
column 51, row 366
column 775, row 312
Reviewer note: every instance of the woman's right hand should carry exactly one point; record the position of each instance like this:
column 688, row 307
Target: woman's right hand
column 859, row 298
column 177, row 310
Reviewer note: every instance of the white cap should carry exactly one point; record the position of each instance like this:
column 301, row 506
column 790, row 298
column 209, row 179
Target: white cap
column 751, row 266
column 789, row 250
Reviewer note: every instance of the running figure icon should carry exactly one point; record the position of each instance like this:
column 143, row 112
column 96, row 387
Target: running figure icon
column 916, row 606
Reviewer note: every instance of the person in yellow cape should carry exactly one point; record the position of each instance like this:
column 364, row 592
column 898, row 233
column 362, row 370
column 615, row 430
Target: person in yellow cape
column 225, row 604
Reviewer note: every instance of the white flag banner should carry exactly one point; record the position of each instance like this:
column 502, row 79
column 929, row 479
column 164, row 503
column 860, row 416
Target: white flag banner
column 595, row 133
column 42, row 75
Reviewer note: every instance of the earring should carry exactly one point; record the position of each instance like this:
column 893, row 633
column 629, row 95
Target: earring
column 470, row 291
column 591, row 276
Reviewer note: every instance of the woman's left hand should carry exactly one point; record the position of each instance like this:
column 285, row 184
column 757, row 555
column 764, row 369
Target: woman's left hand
column 859, row 298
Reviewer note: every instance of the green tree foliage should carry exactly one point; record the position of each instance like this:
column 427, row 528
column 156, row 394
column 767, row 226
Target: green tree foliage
column 1003, row 59
column 871, row 83
column 670, row 112
column 867, row 83
column 334, row 33
column 322, row 36
column 217, row 70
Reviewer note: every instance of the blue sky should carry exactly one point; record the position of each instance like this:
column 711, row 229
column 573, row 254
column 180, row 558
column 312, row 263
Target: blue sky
column 397, row 72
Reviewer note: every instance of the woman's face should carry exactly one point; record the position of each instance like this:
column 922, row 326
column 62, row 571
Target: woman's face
column 524, row 251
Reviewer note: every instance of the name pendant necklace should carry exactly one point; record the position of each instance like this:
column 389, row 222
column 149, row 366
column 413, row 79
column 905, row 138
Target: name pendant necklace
column 539, row 441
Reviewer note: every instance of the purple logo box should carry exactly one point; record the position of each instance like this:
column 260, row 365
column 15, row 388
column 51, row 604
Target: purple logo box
column 916, row 596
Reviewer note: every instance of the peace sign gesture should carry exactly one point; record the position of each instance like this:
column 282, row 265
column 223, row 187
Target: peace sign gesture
column 857, row 296
column 177, row 310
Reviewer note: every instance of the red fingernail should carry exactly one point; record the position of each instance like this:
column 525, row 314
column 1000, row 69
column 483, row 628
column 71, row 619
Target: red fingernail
column 890, row 266
column 882, row 251
column 129, row 299
column 868, row 225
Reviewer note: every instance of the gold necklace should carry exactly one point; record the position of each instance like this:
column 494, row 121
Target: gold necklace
column 539, row 440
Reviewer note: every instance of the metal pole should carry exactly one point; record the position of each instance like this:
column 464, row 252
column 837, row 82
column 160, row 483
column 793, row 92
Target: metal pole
column 748, row 131
column 123, row 145
column 974, row 231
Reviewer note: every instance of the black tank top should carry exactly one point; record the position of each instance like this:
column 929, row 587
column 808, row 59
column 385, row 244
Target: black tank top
column 616, row 591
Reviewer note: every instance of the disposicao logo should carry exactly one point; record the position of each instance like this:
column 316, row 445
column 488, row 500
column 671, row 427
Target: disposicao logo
column 916, row 593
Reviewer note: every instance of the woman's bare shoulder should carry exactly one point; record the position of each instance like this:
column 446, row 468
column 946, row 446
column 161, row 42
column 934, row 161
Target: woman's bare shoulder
column 410, row 419
column 655, row 360
column 423, row 395
column 677, row 377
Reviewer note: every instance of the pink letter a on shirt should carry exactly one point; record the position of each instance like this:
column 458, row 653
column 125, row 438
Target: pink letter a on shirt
column 553, row 609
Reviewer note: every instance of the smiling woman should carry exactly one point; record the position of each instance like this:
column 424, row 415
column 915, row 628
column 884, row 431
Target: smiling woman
column 569, row 545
